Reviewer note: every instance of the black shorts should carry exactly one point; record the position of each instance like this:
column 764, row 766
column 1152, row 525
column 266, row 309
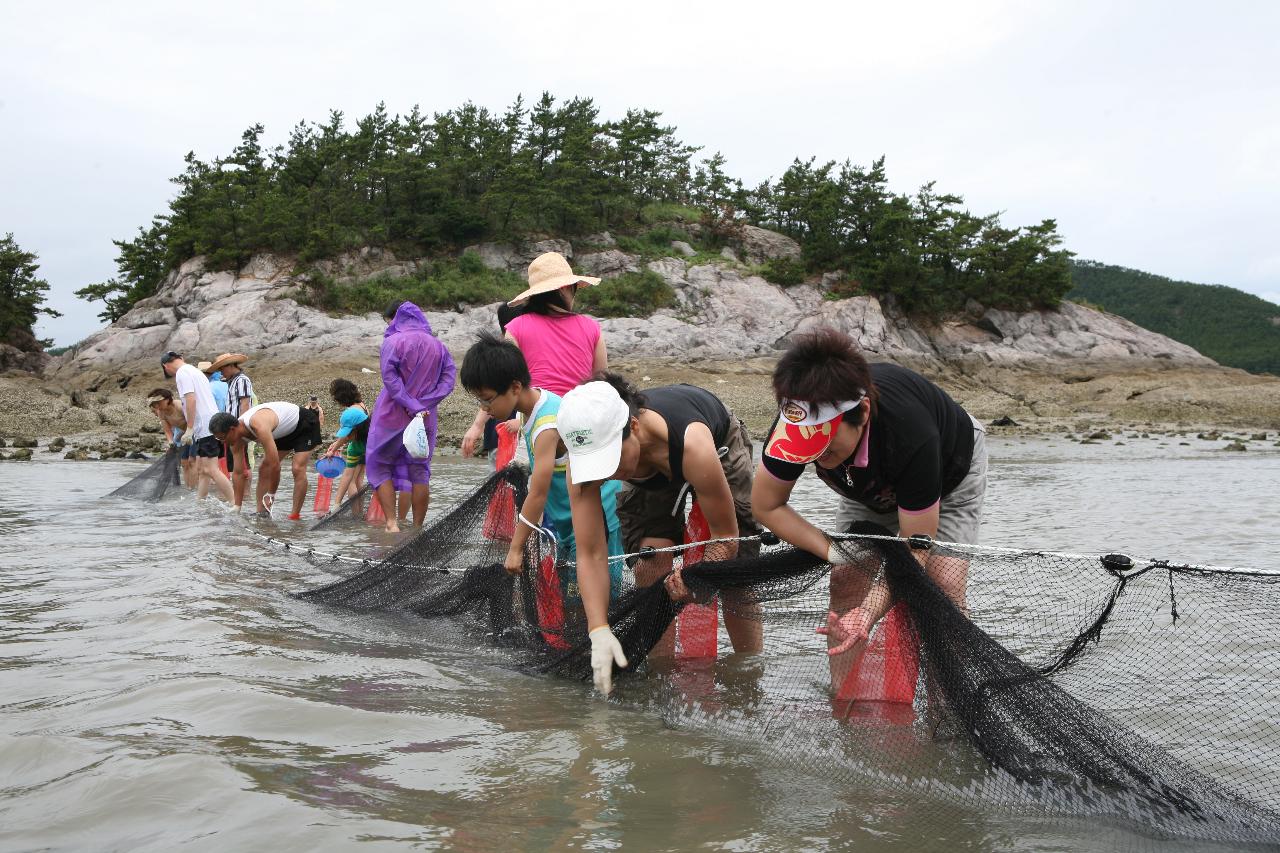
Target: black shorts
column 207, row 448
column 305, row 436
column 230, row 456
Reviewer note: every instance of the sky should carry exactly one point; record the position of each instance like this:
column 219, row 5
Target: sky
column 1149, row 131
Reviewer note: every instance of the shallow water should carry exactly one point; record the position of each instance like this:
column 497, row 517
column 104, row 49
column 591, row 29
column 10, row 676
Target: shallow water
column 158, row 686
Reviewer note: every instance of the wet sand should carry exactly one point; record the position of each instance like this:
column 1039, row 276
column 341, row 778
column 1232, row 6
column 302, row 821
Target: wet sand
column 1075, row 399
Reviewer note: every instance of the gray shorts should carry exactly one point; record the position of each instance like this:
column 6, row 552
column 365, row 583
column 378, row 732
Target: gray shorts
column 960, row 513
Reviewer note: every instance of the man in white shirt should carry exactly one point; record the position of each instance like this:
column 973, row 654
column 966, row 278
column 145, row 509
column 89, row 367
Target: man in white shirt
column 279, row 428
column 198, row 407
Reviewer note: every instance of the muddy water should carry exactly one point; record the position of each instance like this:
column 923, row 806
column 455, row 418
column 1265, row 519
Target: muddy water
column 160, row 690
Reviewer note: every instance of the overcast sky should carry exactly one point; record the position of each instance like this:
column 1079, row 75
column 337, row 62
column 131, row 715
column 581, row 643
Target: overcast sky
column 1150, row 131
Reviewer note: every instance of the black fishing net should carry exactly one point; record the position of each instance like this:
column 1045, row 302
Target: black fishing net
column 155, row 480
column 1073, row 688
column 352, row 508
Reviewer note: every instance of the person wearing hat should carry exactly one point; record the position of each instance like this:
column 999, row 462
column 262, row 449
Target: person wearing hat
column 279, row 428
column 665, row 443
column 174, row 424
column 562, row 348
column 216, row 384
column 417, row 373
column 896, row 449
column 240, row 399
column 353, row 433
column 198, row 407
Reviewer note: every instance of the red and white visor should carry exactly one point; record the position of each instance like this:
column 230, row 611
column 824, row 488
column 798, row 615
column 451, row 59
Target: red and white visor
column 805, row 430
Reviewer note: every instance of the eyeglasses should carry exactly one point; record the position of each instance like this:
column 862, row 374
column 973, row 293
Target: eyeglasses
column 485, row 404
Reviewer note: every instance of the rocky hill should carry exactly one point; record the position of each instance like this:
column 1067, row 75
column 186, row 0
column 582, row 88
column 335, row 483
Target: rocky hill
column 1067, row 367
column 724, row 312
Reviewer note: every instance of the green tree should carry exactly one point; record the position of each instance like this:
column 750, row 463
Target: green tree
column 22, row 297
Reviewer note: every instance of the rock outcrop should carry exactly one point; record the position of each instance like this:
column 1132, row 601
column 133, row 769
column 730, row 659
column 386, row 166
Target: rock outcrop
column 723, row 312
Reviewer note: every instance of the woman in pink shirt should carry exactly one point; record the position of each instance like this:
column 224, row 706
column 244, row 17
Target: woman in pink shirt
column 562, row 349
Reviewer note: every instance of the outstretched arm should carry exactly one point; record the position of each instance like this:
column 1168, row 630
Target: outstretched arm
column 544, row 464
column 269, row 471
column 705, row 473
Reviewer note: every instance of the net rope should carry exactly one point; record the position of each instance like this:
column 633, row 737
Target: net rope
column 1062, row 686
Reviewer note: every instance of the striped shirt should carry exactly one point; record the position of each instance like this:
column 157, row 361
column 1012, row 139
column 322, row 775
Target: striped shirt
column 237, row 389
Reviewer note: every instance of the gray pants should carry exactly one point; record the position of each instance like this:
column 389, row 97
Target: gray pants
column 960, row 513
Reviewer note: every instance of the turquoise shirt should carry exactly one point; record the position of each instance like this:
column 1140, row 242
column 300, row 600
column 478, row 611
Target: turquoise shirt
column 557, row 516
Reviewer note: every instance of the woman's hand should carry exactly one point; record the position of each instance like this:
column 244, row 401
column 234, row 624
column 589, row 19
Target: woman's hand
column 676, row 590
column 852, row 628
column 514, row 564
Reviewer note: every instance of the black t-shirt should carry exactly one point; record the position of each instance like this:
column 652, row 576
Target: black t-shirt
column 919, row 449
column 679, row 406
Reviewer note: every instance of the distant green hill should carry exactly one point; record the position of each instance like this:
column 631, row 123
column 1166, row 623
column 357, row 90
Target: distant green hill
column 1230, row 326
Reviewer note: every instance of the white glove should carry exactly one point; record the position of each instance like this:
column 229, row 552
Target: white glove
column 836, row 555
column 605, row 652
column 188, row 436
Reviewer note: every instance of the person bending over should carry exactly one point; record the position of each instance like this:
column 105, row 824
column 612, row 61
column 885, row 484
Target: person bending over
column 278, row 428
column 174, row 424
column 894, row 447
column 353, row 433
column 665, row 443
column 495, row 373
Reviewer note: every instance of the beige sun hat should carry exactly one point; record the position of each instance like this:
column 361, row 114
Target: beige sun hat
column 204, row 366
column 550, row 271
column 223, row 360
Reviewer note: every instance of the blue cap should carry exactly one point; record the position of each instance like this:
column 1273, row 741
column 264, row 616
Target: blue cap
column 352, row 417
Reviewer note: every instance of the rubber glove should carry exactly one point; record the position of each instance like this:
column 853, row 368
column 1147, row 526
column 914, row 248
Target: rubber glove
column 188, row 436
column 605, row 652
column 836, row 555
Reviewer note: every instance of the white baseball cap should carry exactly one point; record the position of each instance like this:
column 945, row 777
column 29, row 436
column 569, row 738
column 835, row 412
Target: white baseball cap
column 591, row 420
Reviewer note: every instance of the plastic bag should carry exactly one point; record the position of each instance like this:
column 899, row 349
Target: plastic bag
column 415, row 439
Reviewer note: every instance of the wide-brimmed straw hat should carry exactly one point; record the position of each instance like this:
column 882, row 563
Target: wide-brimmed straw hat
column 550, row 271
column 204, row 366
column 223, row 360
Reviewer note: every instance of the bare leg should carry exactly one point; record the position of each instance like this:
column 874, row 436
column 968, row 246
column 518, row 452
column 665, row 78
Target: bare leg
column 743, row 622
column 421, row 498
column 648, row 572
column 405, row 503
column 345, row 483
column 386, row 493
column 951, row 574
column 301, row 484
column 210, row 474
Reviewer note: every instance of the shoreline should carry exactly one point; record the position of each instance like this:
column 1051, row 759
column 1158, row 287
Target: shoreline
column 1073, row 399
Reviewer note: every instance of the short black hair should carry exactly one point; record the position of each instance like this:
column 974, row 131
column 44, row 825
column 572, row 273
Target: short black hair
column 629, row 394
column 160, row 392
column 344, row 392
column 824, row 365
column 494, row 363
column 221, row 423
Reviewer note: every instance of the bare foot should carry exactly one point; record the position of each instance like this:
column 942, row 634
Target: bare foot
column 392, row 527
